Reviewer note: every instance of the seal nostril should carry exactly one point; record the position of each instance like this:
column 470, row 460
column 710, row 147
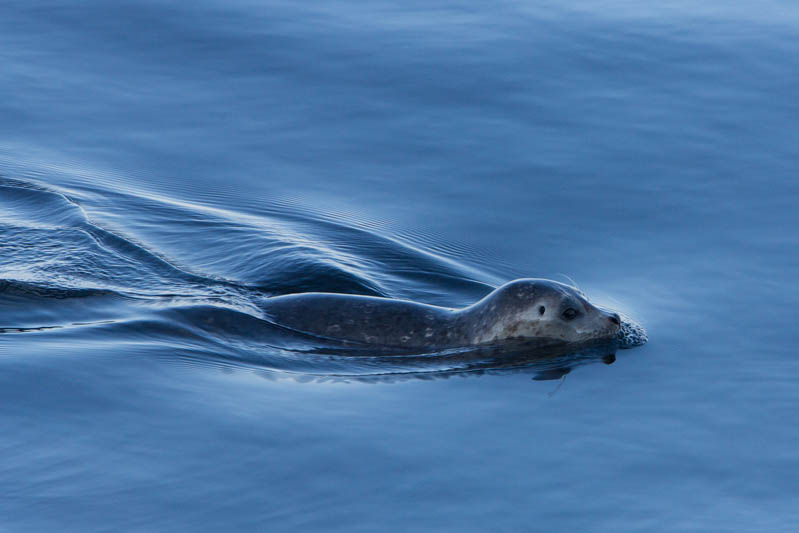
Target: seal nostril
column 615, row 319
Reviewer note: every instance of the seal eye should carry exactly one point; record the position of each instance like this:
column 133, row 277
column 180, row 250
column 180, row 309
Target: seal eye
column 541, row 310
column 569, row 314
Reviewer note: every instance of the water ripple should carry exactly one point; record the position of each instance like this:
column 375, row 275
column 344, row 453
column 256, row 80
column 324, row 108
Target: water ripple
column 191, row 278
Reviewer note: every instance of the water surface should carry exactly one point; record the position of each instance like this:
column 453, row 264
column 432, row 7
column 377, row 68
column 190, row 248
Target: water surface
column 165, row 167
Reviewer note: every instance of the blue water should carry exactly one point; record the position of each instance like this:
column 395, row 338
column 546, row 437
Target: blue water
column 163, row 167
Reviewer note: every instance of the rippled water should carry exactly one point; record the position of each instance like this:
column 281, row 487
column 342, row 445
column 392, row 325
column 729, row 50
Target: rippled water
column 163, row 169
column 70, row 278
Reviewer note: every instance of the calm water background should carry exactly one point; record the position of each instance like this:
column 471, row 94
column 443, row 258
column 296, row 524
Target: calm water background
column 163, row 167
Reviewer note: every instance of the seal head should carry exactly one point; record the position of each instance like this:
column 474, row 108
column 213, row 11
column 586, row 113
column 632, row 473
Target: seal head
column 540, row 308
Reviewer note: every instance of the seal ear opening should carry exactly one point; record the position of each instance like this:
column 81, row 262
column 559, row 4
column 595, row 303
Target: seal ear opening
column 541, row 310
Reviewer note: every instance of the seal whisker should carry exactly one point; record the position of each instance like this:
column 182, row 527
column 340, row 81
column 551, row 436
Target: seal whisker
column 570, row 280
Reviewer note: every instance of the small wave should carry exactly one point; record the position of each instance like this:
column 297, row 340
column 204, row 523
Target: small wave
column 30, row 205
column 31, row 291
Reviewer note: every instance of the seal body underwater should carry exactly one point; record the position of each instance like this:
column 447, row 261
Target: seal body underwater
column 521, row 310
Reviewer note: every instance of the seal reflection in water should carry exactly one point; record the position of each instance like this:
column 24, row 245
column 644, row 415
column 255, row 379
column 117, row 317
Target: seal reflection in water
column 532, row 311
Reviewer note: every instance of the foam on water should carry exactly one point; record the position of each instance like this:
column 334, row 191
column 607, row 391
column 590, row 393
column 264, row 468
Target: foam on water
column 631, row 334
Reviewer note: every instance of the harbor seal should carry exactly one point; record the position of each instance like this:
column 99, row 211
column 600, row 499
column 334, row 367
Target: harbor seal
column 521, row 310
